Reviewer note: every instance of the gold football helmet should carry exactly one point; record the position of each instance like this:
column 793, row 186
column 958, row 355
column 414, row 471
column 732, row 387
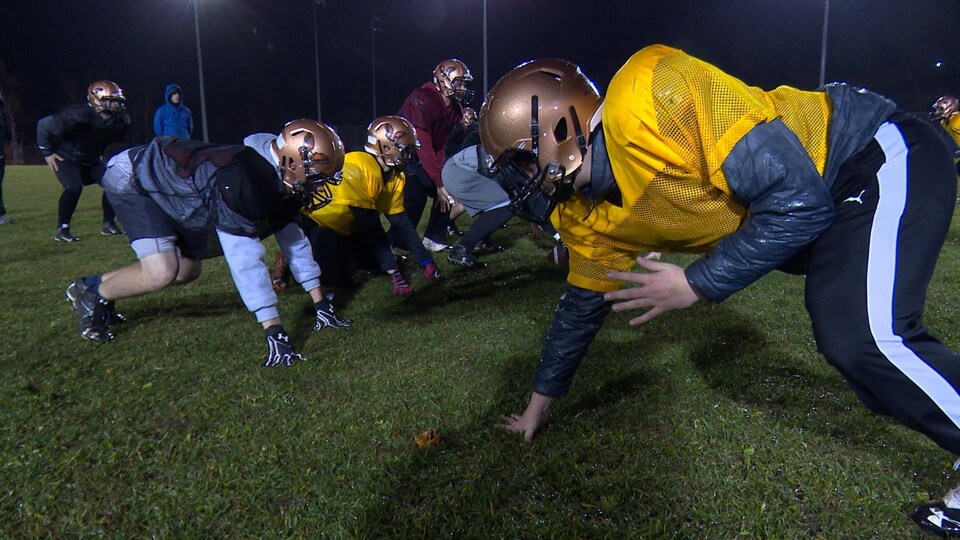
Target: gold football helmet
column 469, row 117
column 452, row 76
column 393, row 141
column 944, row 108
column 106, row 96
column 536, row 123
column 311, row 159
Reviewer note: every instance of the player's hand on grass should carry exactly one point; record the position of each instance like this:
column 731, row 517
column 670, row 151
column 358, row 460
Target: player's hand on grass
column 532, row 419
column 325, row 316
column 279, row 350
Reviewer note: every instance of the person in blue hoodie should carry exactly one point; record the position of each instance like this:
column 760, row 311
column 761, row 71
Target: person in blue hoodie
column 173, row 119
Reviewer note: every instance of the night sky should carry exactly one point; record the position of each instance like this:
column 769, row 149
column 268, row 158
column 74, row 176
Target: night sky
column 258, row 55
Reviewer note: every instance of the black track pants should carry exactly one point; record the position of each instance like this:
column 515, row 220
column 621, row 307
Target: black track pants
column 868, row 273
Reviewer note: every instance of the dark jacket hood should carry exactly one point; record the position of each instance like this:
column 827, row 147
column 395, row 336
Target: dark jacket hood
column 170, row 90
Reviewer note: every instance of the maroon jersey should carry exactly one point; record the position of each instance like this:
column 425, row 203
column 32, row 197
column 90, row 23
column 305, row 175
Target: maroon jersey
column 424, row 108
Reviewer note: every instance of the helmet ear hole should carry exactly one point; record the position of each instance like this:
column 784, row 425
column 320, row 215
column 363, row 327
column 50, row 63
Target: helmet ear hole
column 560, row 130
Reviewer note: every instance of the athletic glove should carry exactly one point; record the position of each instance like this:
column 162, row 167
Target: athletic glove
column 279, row 351
column 400, row 285
column 325, row 316
column 430, row 272
column 279, row 273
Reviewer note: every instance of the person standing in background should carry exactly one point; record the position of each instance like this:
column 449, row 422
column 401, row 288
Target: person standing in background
column 173, row 118
column 72, row 142
column 6, row 134
column 433, row 108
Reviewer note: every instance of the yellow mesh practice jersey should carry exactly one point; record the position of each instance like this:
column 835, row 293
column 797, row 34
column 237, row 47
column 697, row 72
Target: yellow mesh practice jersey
column 953, row 127
column 669, row 122
column 363, row 186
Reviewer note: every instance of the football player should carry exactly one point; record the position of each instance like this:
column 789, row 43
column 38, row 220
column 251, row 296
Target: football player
column 172, row 193
column 947, row 111
column 72, row 142
column 683, row 157
column 433, row 109
column 347, row 233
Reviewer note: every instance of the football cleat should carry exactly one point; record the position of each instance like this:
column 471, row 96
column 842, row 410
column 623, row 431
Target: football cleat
column 936, row 518
column 110, row 229
column 75, row 289
column 434, row 246
column 91, row 312
column 485, row 247
column 461, row 257
column 452, row 230
column 4, row 220
column 62, row 234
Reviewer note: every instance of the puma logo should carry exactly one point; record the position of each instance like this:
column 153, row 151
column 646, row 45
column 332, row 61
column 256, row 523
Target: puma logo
column 858, row 199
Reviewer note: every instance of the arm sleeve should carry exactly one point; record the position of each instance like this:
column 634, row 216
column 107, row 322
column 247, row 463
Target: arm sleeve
column 401, row 222
column 158, row 122
column 371, row 231
column 6, row 125
column 189, row 123
column 299, row 254
column 788, row 203
column 49, row 133
column 578, row 317
column 419, row 112
column 245, row 258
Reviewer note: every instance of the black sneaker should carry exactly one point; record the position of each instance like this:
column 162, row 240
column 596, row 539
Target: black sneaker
column 461, row 257
column 110, row 229
column 77, row 288
column 936, row 518
column 484, row 248
column 63, row 235
column 452, row 230
column 91, row 311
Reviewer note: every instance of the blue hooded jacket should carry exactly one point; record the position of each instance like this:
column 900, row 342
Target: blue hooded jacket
column 173, row 120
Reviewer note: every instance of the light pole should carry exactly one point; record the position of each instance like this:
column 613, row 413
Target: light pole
column 316, row 49
column 374, row 21
column 484, row 49
column 823, row 45
column 203, row 98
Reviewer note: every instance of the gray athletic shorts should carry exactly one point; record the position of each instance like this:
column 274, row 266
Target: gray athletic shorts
column 476, row 192
column 149, row 228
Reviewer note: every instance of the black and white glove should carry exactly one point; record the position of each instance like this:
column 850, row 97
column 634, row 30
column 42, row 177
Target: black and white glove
column 325, row 316
column 279, row 350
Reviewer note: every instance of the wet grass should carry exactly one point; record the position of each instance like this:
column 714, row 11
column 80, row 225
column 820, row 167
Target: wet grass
column 717, row 422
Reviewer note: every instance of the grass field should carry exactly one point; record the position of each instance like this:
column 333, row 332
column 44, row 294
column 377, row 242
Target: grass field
column 716, row 422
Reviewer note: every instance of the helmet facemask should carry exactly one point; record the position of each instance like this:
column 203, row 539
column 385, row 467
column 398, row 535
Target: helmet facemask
column 944, row 108
column 311, row 159
column 314, row 190
column 534, row 188
column 452, row 78
column 106, row 96
column 393, row 141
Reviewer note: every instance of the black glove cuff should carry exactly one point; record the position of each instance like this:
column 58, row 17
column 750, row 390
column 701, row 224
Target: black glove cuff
column 273, row 331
